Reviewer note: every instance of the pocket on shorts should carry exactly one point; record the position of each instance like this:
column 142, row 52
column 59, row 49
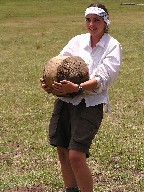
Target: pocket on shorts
column 88, row 124
column 93, row 114
column 55, row 117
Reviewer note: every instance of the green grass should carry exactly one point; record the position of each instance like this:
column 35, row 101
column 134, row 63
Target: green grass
column 31, row 33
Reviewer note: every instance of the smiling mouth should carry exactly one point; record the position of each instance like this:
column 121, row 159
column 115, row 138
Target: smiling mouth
column 91, row 29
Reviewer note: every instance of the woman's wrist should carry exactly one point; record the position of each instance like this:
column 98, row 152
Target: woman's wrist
column 79, row 88
column 88, row 85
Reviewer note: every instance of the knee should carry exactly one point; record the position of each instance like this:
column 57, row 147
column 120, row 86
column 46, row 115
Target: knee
column 76, row 158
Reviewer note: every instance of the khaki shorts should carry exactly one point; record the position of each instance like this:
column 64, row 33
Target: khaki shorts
column 74, row 127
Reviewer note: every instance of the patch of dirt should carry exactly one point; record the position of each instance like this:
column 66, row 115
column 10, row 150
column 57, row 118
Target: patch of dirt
column 2, row 157
column 34, row 188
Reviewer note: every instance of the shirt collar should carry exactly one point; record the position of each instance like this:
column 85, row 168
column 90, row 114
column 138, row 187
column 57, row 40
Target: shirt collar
column 102, row 41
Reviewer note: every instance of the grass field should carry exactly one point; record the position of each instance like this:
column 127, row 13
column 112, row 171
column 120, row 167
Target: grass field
column 33, row 31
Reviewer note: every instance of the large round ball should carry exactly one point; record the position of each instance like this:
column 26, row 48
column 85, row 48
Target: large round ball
column 71, row 68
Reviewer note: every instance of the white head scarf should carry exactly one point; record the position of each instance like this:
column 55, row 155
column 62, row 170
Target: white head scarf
column 98, row 11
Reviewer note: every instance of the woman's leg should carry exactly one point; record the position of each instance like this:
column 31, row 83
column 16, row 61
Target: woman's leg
column 81, row 170
column 75, row 170
column 67, row 173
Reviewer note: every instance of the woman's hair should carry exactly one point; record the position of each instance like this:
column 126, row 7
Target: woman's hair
column 99, row 5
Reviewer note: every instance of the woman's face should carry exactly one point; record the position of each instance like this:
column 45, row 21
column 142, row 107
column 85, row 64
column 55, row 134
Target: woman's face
column 95, row 25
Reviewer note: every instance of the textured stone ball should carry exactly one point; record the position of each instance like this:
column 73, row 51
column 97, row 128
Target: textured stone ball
column 71, row 68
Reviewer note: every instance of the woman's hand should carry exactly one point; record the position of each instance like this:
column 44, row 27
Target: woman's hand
column 64, row 87
column 44, row 86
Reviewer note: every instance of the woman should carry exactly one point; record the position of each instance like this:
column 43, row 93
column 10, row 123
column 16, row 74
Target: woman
column 75, row 121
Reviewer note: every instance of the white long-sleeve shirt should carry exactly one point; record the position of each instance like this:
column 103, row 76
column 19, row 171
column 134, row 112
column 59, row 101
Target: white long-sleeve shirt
column 103, row 62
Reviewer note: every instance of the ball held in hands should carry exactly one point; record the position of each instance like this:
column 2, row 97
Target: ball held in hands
column 70, row 68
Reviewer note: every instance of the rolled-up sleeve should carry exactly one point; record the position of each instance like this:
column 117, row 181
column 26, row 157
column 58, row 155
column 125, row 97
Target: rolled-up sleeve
column 107, row 72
